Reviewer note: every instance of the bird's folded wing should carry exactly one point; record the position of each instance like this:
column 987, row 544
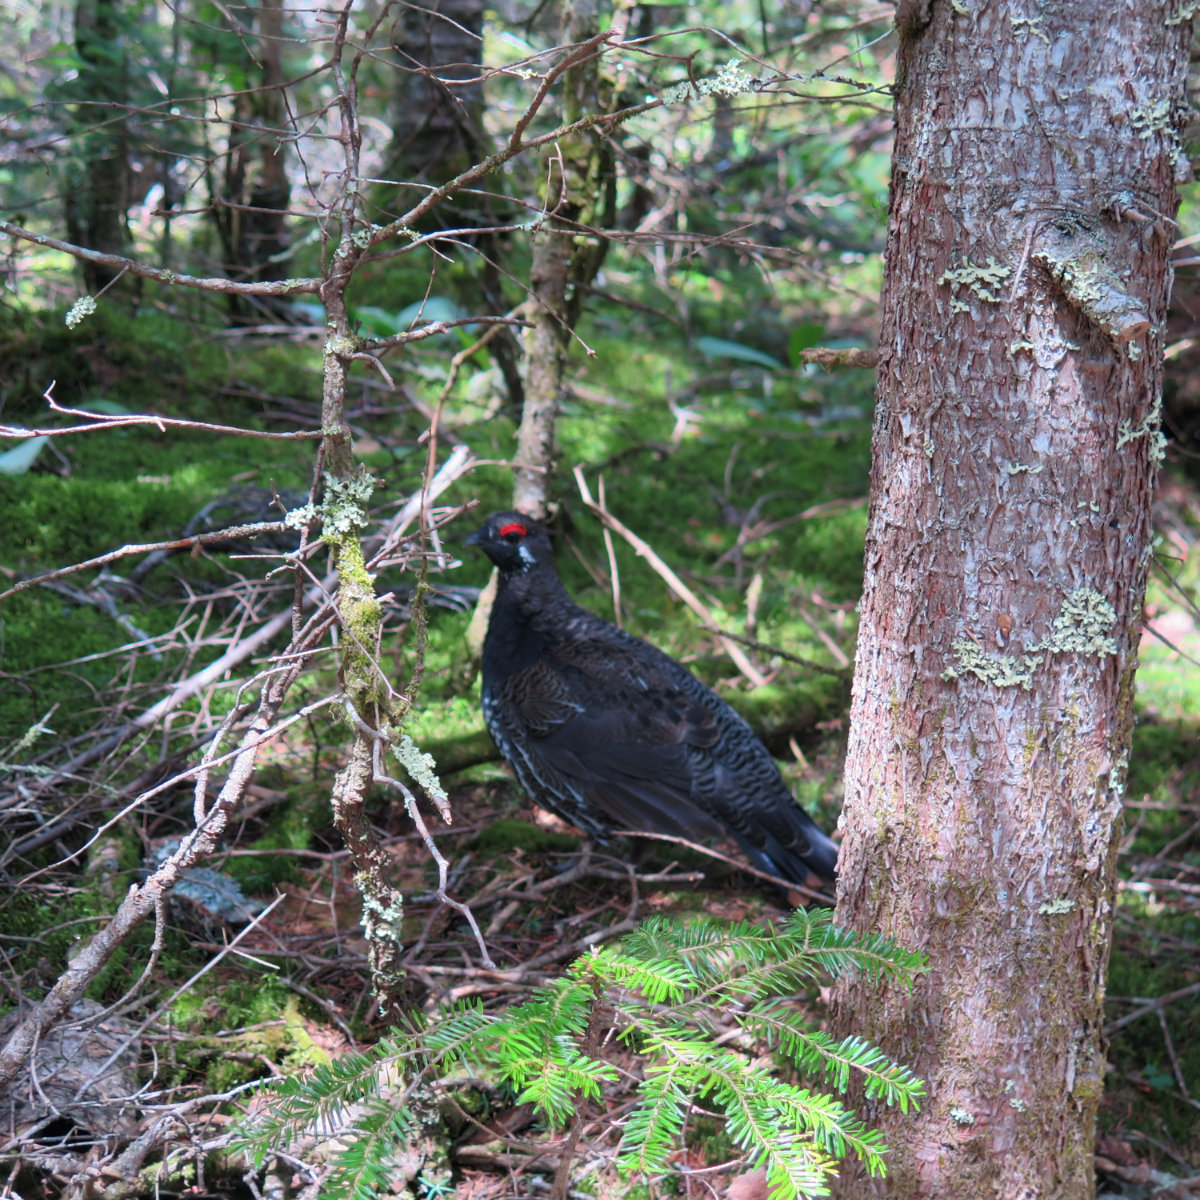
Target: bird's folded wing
column 639, row 788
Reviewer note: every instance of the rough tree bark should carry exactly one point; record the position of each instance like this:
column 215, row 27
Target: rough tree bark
column 1016, row 441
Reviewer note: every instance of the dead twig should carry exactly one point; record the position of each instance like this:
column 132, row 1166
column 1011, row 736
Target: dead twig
column 199, row 539
column 142, row 900
column 1146, row 1007
column 735, row 652
column 779, row 652
column 787, row 884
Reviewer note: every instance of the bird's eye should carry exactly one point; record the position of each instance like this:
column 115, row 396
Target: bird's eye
column 513, row 532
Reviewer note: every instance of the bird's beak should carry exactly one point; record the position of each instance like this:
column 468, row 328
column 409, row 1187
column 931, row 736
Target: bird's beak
column 474, row 539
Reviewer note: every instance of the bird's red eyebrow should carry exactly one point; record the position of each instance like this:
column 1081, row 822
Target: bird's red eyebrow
column 513, row 527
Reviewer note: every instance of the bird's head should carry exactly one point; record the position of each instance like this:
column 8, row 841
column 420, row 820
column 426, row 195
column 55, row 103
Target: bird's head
column 513, row 542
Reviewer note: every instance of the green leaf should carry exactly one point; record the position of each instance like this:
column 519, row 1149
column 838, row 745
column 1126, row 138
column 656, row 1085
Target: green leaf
column 804, row 337
column 107, row 408
column 376, row 320
column 716, row 347
column 22, row 456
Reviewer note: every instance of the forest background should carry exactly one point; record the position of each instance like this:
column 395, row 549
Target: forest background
column 689, row 217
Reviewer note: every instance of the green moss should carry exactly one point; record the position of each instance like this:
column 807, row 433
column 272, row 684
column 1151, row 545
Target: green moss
column 1164, row 765
column 260, row 1022
column 793, row 703
column 506, row 835
column 119, row 486
column 362, row 615
column 42, row 932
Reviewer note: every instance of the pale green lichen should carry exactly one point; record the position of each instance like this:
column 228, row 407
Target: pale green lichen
column 928, row 447
column 422, row 769
column 1024, row 25
column 1117, row 776
column 1149, row 428
column 342, row 511
column 361, row 238
column 1083, row 626
column 25, row 742
column 1019, row 468
column 341, row 346
column 1151, row 118
column 79, row 312
column 1000, row 670
column 1054, row 908
column 1082, row 276
column 983, row 281
column 728, row 82
column 381, row 922
column 1186, row 12
column 1015, row 348
column 961, row 1116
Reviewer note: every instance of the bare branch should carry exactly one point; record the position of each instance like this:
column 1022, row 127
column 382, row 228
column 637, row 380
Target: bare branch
column 141, row 901
column 270, row 287
column 199, row 539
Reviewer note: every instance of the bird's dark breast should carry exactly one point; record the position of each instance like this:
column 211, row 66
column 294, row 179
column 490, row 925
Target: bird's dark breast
column 510, row 646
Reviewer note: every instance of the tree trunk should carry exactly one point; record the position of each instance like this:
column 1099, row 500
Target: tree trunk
column 253, row 217
column 97, row 199
column 1016, row 441
column 437, row 100
column 580, row 191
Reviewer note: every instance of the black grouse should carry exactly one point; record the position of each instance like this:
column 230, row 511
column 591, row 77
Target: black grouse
column 609, row 732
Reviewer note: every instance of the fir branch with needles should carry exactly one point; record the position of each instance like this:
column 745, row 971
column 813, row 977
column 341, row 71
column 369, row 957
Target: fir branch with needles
column 696, row 1003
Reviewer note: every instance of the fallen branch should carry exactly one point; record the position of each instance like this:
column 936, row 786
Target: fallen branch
column 735, row 652
column 144, row 899
column 807, row 892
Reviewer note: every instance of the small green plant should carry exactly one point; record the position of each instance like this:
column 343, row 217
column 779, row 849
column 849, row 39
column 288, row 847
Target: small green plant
column 693, row 1001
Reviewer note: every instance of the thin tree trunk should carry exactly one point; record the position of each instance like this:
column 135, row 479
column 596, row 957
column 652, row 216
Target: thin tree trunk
column 97, row 198
column 1016, row 442
column 545, row 354
column 580, row 192
column 253, row 216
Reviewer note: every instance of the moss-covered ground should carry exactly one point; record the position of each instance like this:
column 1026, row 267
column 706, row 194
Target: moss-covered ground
column 749, row 482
